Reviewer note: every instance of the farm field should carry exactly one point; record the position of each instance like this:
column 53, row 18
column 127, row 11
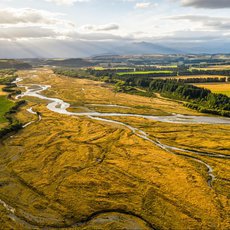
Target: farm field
column 145, row 72
column 166, row 66
column 196, row 76
column 223, row 88
column 191, row 76
column 78, row 172
column 111, row 68
column 215, row 67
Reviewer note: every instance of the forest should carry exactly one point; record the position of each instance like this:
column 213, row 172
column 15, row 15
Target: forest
column 198, row 98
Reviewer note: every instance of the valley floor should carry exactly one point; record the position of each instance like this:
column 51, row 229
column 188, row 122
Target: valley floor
column 113, row 172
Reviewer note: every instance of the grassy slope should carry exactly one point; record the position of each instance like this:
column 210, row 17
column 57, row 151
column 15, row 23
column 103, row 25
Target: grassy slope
column 66, row 166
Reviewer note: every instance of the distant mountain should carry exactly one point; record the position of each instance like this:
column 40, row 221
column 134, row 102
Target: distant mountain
column 146, row 48
column 81, row 49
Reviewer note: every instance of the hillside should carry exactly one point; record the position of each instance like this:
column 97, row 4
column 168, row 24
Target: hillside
column 13, row 64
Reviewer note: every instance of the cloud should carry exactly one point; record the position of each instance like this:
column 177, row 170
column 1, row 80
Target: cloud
column 208, row 22
column 66, row 2
column 75, row 36
column 35, row 32
column 144, row 5
column 106, row 27
column 31, row 23
column 12, row 16
column 13, row 33
column 210, row 4
column 194, row 36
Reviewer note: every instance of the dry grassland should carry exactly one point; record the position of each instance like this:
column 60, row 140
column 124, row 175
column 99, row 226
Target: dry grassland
column 215, row 67
column 223, row 88
column 192, row 76
column 1, row 92
column 65, row 170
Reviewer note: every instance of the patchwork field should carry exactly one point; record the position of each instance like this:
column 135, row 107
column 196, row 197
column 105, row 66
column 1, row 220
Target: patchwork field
column 77, row 172
column 199, row 76
column 223, row 88
column 144, row 72
column 215, row 67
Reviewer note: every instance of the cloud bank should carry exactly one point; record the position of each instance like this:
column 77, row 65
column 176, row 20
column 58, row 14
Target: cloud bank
column 210, row 4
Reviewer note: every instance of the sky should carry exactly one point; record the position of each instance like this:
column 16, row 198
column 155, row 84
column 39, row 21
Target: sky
column 72, row 28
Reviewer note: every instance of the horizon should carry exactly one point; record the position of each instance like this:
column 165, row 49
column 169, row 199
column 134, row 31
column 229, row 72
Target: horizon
column 85, row 28
column 117, row 55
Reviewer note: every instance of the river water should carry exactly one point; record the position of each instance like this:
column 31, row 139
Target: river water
column 59, row 106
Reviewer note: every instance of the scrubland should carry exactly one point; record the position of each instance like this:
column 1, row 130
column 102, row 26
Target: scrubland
column 75, row 172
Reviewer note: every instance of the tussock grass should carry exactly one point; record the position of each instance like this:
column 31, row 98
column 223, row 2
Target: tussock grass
column 66, row 169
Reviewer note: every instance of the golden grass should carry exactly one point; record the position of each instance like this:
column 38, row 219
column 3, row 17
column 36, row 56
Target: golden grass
column 223, row 88
column 199, row 138
column 62, row 169
column 70, row 171
column 79, row 92
column 200, row 76
column 215, row 67
column 2, row 92
column 192, row 76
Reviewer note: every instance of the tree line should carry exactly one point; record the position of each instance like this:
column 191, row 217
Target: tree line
column 198, row 98
column 202, row 80
column 190, row 72
column 172, row 72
